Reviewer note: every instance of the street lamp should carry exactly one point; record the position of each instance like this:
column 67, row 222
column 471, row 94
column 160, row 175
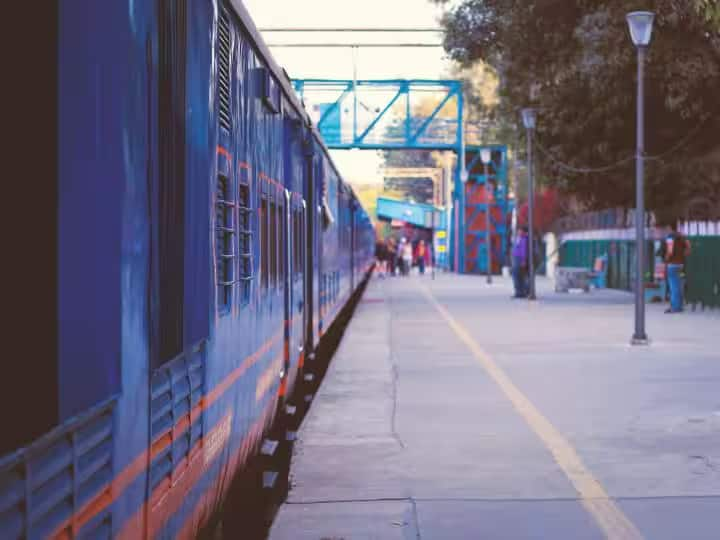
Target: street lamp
column 458, row 206
column 485, row 157
column 529, row 117
column 640, row 24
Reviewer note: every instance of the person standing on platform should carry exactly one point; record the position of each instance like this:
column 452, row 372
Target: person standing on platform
column 381, row 257
column 399, row 257
column 391, row 256
column 407, row 256
column 677, row 248
column 520, row 259
column 661, row 265
column 422, row 254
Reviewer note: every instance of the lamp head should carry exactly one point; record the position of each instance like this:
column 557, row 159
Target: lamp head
column 485, row 156
column 529, row 117
column 640, row 24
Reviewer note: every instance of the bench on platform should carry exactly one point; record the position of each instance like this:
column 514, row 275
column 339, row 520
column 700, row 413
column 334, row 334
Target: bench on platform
column 568, row 277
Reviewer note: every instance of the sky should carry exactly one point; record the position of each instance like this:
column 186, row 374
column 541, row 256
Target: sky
column 336, row 63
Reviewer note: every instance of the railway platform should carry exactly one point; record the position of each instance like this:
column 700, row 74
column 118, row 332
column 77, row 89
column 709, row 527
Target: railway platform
column 452, row 412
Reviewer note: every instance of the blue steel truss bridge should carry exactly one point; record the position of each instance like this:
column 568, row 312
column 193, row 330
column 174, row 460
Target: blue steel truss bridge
column 386, row 114
column 420, row 114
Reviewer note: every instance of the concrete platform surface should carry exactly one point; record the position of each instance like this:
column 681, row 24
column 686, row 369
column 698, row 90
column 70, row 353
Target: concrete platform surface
column 451, row 412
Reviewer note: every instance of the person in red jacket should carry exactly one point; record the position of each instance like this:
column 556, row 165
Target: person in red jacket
column 677, row 249
column 422, row 255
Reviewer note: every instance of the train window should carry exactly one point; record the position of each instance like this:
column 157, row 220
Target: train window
column 322, row 290
column 345, row 228
column 303, row 241
column 297, row 259
column 244, row 242
column 224, row 244
column 293, row 247
column 273, row 244
column 173, row 185
column 263, row 217
column 283, row 244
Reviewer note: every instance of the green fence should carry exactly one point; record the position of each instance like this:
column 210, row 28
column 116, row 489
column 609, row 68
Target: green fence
column 703, row 266
column 621, row 259
column 703, row 272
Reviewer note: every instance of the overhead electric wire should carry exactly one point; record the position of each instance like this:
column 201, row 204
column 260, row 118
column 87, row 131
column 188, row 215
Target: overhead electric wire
column 582, row 170
column 354, row 45
column 359, row 30
column 366, row 29
column 691, row 134
column 658, row 157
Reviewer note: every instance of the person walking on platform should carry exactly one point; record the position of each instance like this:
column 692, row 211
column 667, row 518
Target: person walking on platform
column 677, row 248
column 520, row 258
column 391, row 256
column 381, row 257
column 407, row 256
column 399, row 257
column 422, row 256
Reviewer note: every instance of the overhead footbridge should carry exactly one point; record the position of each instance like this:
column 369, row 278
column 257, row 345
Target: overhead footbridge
column 412, row 213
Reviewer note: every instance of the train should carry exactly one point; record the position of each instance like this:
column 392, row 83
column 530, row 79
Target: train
column 203, row 242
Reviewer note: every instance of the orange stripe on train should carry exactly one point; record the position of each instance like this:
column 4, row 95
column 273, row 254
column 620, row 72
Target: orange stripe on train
column 143, row 460
column 224, row 152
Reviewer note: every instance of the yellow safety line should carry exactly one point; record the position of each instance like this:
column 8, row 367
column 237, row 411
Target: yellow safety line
column 613, row 522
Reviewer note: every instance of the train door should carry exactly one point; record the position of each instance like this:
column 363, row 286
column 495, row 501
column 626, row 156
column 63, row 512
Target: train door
column 318, row 190
column 304, row 275
column 310, row 253
column 353, row 227
column 296, row 313
column 287, row 276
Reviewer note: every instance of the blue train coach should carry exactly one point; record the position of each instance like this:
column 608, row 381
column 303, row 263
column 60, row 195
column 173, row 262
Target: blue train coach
column 200, row 244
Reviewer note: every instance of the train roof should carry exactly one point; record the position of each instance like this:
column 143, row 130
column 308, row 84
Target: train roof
column 283, row 80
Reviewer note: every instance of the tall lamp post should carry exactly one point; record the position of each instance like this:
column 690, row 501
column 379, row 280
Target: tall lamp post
column 458, row 212
column 641, row 26
column 485, row 157
column 529, row 117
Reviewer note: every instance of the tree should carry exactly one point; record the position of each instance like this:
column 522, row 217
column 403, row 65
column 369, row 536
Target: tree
column 574, row 62
column 547, row 210
column 710, row 10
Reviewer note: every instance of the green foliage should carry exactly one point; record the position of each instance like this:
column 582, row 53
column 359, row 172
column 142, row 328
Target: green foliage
column 710, row 10
column 573, row 60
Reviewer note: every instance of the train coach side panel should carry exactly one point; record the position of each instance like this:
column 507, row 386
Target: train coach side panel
column 106, row 165
column 245, row 352
column 169, row 149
